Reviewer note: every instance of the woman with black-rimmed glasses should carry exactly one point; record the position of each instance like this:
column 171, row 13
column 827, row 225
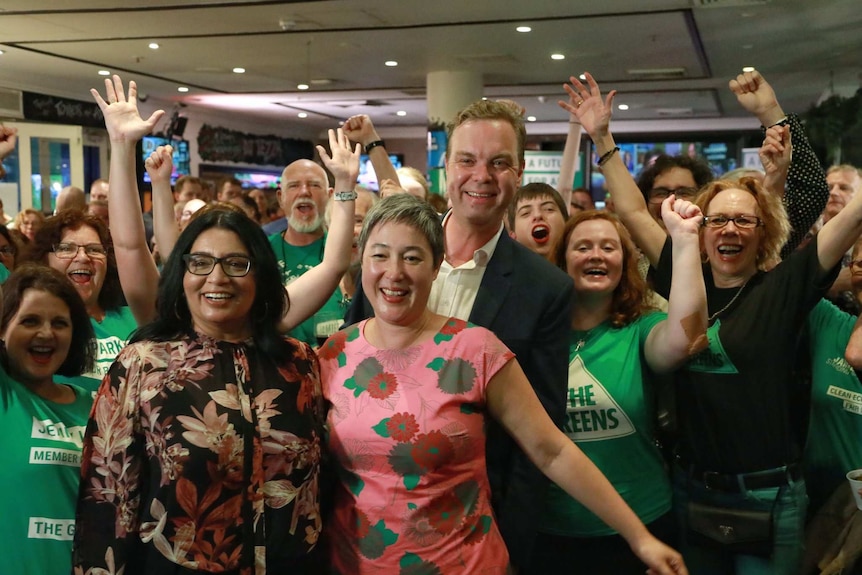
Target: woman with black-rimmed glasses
column 203, row 447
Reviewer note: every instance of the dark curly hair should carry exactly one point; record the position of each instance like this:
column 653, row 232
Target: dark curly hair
column 173, row 318
column 628, row 302
column 82, row 349
column 111, row 296
column 700, row 171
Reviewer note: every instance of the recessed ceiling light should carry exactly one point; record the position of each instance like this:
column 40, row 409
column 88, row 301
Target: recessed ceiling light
column 583, row 76
column 104, row 73
column 558, row 57
column 391, row 63
column 302, row 86
column 239, row 70
column 748, row 69
column 2, row 52
column 153, row 46
column 400, row 113
column 623, row 106
column 182, row 89
column 484, row 98
column 531, row 118
column 302, row 115
column 523, row 29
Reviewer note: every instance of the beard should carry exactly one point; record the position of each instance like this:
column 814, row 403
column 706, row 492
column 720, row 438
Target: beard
column 304, row 226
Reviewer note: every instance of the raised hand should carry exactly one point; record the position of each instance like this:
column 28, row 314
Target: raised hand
column 160, row 164
column 342, row 162
column 776, row 151
column 681, row 217
column 8, row 138
column 587, row 105
column 122, row 119
column 360, row 129
column 758, row 98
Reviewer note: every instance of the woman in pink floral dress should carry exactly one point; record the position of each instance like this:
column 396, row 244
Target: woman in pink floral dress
column 409, row 393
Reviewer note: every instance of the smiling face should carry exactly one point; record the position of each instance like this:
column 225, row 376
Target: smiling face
column 397, row 273
column 220, row 304
column 38, row 337
column 594, row 258
column 302, row 195
column 732, row 251
column 86, row 272
column 538, row 224
column 482, row 171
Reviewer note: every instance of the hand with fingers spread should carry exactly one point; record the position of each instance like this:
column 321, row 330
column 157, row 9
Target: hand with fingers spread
column 122, row 119
column 342, row 162
column 758, row 98
column 587, row 105
column 8, row 139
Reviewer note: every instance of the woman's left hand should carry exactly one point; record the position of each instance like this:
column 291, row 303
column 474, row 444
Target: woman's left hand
column 680, row 217
column 659, row 558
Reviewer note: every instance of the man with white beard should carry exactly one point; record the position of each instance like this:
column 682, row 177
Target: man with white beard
column 303, row 194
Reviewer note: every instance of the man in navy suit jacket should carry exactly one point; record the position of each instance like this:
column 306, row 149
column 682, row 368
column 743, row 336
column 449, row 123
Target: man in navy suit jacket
column 492, row 281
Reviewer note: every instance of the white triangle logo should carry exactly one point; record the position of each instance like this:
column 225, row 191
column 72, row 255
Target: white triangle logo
column 591, row 413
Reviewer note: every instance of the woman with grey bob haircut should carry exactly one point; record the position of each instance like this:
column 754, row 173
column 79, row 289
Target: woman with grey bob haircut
column 410, row 210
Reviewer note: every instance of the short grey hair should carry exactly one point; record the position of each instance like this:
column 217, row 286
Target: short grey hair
column 410, row 210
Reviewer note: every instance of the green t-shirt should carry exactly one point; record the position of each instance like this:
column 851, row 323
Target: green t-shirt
column 834, row 444
column 293, row 261
column 41, row 445
column 608, row 414
column 112, row 334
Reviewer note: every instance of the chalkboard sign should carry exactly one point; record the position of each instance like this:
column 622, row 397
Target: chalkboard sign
column 222, row 145
column 56, row 110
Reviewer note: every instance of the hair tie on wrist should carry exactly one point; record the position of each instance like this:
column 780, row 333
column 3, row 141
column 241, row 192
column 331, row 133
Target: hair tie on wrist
column 607, row 155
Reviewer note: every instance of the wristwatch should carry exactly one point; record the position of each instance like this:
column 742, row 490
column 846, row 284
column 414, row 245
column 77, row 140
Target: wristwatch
column 344, row 196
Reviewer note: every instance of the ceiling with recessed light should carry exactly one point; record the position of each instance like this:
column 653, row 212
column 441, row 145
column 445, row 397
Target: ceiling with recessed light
column 669, row 59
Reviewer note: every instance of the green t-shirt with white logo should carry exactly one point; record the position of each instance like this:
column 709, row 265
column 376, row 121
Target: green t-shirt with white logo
column 293, row 261
column 834, row 444
column 608, row 414
column 41, row 445
column 112, row 334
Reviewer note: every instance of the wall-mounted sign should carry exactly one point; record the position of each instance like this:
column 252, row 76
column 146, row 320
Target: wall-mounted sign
column 222, row 145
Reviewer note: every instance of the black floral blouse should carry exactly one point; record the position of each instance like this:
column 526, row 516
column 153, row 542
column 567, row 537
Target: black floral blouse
column 196, row 453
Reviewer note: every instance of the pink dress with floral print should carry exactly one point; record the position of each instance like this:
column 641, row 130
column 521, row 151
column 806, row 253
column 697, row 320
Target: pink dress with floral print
column 407, row 431
column 201, row 455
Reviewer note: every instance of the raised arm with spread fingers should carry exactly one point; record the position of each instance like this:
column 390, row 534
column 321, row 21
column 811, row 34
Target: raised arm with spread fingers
column 594, row 113
column 137, row 270
column 311, row 290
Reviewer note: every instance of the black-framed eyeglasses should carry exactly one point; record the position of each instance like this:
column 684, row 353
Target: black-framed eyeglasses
column 7, row 251
column 203, row 265
column 68, row 250
column 658, row 195
column 719, row 221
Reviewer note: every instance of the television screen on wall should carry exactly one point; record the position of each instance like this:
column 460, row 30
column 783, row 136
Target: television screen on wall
column 182, row 160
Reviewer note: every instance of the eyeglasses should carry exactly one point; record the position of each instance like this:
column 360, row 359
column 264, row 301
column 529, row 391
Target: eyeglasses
column 7, row 251
column 203, row 265
column 68, row 250
column 658, row 195
column 720, row 221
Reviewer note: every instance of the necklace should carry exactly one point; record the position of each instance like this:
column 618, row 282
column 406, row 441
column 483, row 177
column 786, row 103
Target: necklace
column 730, row 303
column 583, row 338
